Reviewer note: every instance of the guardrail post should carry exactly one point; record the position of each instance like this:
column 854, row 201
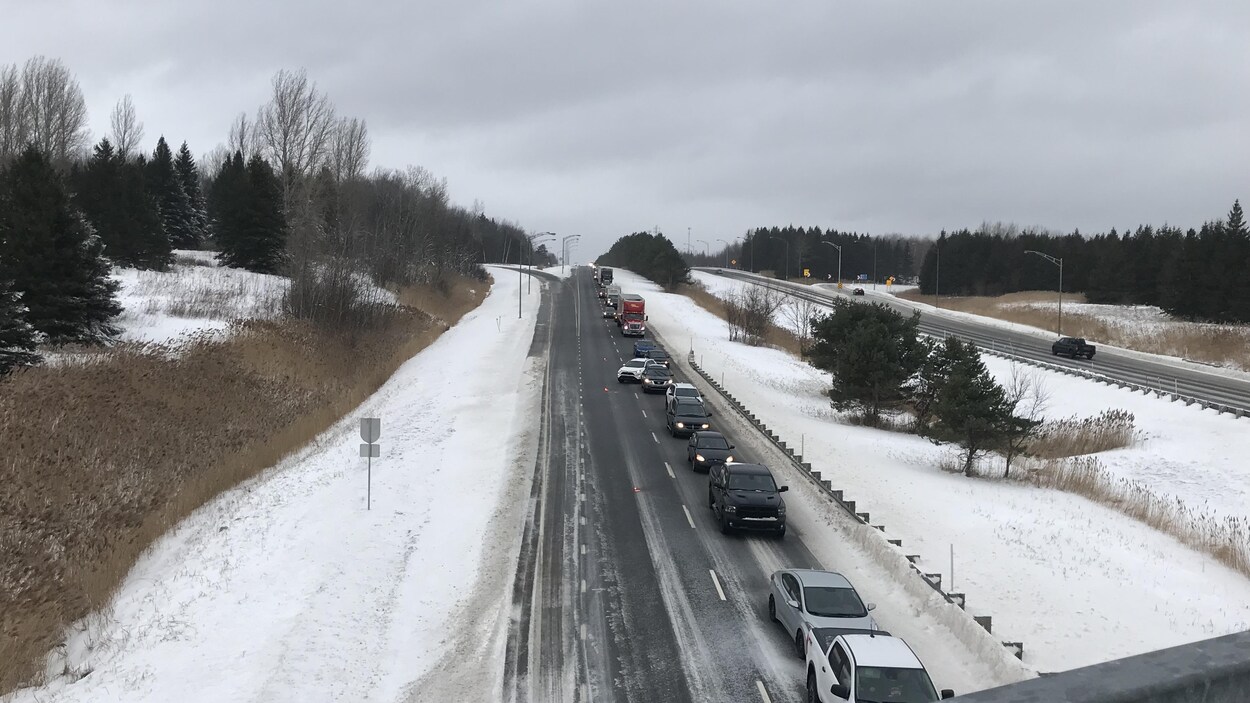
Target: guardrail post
column 958, row 599
column 1017, row 648
column 934, row 580
column 984, row 621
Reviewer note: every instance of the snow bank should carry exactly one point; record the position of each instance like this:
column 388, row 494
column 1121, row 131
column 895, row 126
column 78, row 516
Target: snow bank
column 287, row 589
column 1076, row 582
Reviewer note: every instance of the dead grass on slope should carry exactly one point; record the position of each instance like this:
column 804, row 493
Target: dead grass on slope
column 97, row 461
column 1226, row 539
column 776, row 336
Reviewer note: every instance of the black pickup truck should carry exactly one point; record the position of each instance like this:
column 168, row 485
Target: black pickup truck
column 1072, row 347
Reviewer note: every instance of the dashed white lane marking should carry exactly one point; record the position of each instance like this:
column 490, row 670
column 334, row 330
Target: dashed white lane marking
column 670, row 470
column 691, row 521
column 582, row 497
column 583, row 549
column 583, row 633
column 657, row 439
column 583, row 519
column 763, row 692
column 583, row 585
column 716, row 582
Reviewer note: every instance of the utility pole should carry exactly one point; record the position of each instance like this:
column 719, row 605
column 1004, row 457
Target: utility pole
column 726, row 252
column 785, row 269
column 1058, row 262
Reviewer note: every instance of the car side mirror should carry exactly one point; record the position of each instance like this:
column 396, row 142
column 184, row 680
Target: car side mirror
column 872, row 606
column 840, row 691
column 783, row 489
column 792, row 603
column 947, row 693
column 731, row 446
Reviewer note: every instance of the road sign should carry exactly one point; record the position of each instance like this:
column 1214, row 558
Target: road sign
column 733, row 262
column 807, row 273
column 370, row 451
column 370, row 429
column 839, row 285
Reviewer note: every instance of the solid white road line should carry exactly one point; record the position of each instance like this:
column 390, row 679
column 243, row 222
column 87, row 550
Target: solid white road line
column 670, row 470
column 720, row 592
column 691, row 521
column 657, row 439
column 763, row 693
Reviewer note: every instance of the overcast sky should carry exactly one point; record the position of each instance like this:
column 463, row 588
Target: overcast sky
column 602, row 118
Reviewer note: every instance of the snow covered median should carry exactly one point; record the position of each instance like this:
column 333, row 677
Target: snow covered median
column 287, row 589
column 1076, row 582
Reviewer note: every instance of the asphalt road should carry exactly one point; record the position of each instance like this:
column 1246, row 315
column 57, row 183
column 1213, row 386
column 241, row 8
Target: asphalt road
column 626, row 589
column 1213, row 388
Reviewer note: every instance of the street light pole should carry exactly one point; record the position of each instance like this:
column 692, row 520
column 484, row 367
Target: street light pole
column 529, row 286
column 1058, row 262
column 785, row 268
column 726, row 252
column 707, row 250
column 839, row 248
column 564, row 251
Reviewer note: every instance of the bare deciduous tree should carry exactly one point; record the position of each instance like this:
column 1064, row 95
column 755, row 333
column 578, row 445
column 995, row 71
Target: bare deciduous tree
column 349, row 153
column 1027, row 398
column 12, row 123
column 243, row 137
column 296, row 126
column 127, row 129
column 798, row 312
column 749, row 311
column 53, row 109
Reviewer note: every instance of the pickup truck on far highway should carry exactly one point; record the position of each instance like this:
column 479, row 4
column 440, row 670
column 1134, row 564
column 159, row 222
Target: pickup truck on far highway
column 1072, row 347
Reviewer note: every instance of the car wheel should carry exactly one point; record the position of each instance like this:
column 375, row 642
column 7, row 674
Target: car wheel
column 781, row 532
column 813, row 696
column 798, row 645
column 724, row 524
column 1054, row 353
column 711, row 502
column 772, row 609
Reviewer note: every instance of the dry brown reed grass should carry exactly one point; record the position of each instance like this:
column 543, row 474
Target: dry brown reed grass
column 97, row 461
column 1223, row 345
column 776, row 336
column 1110, row 429
column 1225, row 539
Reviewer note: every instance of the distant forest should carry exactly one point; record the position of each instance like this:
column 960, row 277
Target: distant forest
column 1198, row 274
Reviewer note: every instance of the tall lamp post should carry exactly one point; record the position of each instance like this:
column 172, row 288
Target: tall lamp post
column 707, row 250
column 785, row 268
column 726, row 252
column 534, row 239
column 839, row 248
column 564, row 250
column 1057, row 262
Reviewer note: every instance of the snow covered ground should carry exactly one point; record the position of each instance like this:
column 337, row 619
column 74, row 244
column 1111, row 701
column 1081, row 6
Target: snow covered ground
column 1076, row 582
column 287, row 589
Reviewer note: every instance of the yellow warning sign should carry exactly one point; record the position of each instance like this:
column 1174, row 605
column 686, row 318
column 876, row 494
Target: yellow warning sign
column 807, row 273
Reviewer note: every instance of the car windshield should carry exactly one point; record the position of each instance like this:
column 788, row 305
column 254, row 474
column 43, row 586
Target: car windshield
column 713, row 443
column 830, row 602
column 691, row 409
column 635, row 363
column 687, row 392
column 658, row 354
column 633, row 316
column 659, row 372
column 826, row 635
column 751, row 482
column 875, row 684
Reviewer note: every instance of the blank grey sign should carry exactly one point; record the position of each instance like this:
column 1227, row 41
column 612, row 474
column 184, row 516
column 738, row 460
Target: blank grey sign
column 370, row 429
column 370, row 451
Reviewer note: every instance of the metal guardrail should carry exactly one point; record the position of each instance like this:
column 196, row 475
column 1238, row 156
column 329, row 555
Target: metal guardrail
column 839, row 498
column 1211, row 671
column 1003, row 350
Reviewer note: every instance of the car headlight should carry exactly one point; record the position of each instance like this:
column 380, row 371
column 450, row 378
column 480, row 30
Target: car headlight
column 731, row 508
column 699, row 457
column 705, row 426
column 681, row 425
column 646, row 380
column 781, row 510
column 729, row 458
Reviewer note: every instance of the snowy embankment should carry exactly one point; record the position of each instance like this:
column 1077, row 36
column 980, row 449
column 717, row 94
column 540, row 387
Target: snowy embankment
column 287, row 589
column 1186, row 452
column 1078, row 583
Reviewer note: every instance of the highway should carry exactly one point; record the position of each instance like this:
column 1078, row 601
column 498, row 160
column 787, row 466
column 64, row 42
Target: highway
column 1221, row 391
column 626, row 589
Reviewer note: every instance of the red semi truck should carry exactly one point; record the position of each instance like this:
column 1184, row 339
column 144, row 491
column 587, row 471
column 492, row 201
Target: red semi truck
column 631, row 315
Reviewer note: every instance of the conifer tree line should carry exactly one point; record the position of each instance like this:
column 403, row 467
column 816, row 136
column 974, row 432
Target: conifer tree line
column 650, row 255
column 287, row 193
column 764, row 249
column 1195, row 274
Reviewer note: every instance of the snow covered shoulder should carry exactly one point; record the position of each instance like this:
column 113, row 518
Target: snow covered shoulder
column 288, row 589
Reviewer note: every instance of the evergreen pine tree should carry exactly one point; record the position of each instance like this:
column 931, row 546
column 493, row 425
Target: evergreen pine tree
column 165, row 184
column 1237, row 220
column 17, row 337
column 52, row 256
column 112, row 193
column 189, row 177
column 971, row 409
column 265, row 229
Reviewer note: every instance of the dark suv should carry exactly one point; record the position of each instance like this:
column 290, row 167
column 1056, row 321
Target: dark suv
column 687, row 416
column 745, row 497
column 707, row 448
column 1072, row 347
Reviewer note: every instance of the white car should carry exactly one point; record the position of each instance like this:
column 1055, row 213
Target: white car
column 871, row 667
column 801, row 599
column 632, row 370
column 680, row 390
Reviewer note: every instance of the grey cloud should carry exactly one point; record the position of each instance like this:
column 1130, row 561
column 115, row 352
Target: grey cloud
column 604, row 118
